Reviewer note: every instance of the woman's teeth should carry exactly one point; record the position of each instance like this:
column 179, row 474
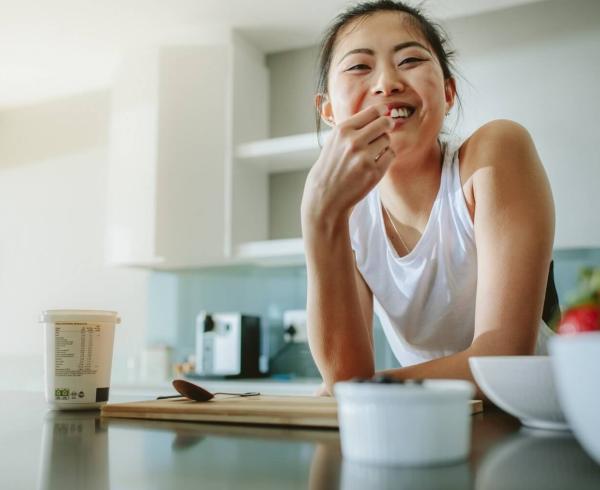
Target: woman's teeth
column 403, row 112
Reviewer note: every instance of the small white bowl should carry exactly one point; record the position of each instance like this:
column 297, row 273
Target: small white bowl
column 523, row 386
column 405, row 424
column 576, row 362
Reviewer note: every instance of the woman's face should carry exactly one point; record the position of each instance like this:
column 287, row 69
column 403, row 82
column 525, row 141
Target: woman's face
column 381, row 58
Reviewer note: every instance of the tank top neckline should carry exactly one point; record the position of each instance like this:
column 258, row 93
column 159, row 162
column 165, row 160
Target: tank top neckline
column 414, row 252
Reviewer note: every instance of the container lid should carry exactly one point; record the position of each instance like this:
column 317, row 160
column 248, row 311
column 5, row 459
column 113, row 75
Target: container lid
column 101, row 316
column 431, row 389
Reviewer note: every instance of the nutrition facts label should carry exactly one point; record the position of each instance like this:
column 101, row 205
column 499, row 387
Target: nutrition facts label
column 76, row 349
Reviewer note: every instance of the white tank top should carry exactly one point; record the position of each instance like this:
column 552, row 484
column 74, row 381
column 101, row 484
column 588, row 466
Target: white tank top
column 425, row 300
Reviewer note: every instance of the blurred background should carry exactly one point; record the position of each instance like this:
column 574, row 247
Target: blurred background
column 153, row 156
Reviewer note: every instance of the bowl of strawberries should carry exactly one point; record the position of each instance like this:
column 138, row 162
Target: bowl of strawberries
column 575, row 353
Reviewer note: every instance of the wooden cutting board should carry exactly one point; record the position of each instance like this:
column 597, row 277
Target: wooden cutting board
column 300, row 411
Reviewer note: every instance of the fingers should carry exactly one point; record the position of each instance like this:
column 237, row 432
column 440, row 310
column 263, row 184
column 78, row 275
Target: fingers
column 377, row 147
column 364, row 117
column 366, row 135
column 375, row 129
column 384, row 158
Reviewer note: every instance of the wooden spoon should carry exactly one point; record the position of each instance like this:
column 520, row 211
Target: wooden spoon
column 199, row 394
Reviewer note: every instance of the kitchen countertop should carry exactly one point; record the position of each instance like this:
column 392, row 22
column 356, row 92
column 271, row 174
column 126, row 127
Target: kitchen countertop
column 43, row 449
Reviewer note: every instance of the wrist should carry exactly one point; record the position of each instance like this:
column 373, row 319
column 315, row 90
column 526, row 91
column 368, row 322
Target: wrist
column 324, row 225
column 321, row 214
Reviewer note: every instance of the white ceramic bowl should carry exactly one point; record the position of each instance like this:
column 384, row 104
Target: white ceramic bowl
column 523, row 386
column 405, row 424
column 576, row 362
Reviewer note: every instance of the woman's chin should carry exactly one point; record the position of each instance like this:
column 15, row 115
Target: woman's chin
column 401, row 143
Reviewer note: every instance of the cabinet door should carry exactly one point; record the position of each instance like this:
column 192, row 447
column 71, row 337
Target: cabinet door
column 190, row 193
column 133, row 136
column 167, row 167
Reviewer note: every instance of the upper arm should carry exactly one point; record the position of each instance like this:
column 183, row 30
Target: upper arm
column 514, row 234
column 365, row 300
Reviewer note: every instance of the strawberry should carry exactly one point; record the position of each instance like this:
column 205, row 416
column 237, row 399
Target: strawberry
column 583, row 307
column 584, row 318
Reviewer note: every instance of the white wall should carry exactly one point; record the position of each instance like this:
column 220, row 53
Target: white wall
column 52, row 216
column 538, row 64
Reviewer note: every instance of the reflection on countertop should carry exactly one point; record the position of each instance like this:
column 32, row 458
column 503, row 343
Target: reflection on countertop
column 58, row 450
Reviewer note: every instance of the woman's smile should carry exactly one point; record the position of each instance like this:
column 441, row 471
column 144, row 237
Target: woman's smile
column 402, row 115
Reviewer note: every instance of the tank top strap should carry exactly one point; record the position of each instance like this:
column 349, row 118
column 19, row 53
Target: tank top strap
column 454, row 187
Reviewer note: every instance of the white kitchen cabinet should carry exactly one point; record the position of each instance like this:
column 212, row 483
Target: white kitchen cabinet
column 176, row 197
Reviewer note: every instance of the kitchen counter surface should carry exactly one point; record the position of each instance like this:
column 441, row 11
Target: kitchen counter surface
column 43, row 449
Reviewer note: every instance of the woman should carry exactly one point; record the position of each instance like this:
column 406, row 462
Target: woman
column 449, row 242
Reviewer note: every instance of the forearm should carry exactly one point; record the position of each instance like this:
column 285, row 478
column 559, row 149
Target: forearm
column 338, row 336
column 455, row 366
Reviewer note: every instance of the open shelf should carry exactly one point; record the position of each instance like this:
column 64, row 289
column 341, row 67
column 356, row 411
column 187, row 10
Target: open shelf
column 272, row 252
column 282, row 154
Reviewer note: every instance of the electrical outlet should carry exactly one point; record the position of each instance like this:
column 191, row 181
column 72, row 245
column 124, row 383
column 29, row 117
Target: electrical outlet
column 294, row 325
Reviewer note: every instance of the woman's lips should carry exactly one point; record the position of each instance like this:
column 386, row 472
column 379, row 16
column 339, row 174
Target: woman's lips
column 401, row 121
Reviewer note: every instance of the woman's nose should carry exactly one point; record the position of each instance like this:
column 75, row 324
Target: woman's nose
column 387, row 82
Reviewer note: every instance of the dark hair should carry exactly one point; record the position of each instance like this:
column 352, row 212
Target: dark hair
column 433, row 33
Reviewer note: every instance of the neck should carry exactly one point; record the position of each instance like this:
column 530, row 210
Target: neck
column 412, row 181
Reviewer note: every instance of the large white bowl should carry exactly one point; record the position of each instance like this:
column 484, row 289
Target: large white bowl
column 405, row 424
column 576, row 362
column 523, row 386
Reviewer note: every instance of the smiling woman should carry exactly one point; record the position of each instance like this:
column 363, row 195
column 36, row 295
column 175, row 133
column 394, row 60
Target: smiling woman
column 447, row 240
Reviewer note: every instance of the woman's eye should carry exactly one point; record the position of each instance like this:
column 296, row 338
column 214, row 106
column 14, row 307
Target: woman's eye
column 358, row 67
column 410, row 60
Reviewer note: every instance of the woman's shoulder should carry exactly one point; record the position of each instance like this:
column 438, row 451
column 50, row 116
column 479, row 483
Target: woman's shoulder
column 502, row 144
column 493, row 142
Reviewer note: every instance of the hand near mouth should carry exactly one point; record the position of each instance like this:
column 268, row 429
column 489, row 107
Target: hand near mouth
column 353, row 160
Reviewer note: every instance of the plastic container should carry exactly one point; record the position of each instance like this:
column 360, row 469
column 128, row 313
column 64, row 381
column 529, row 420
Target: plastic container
column 78, row 357
column 405, row 424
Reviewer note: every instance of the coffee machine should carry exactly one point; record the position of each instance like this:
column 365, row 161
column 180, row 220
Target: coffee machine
column 227, row 345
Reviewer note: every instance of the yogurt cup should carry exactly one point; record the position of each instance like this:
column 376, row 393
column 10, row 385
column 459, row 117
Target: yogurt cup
column 405, row 424
column 78, row 346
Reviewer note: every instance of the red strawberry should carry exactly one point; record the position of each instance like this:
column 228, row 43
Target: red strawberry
column 585, row 318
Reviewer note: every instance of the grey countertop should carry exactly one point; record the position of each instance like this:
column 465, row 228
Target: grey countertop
column 41, row 449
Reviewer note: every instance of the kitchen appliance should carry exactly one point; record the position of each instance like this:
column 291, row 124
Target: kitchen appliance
column 227, row 345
